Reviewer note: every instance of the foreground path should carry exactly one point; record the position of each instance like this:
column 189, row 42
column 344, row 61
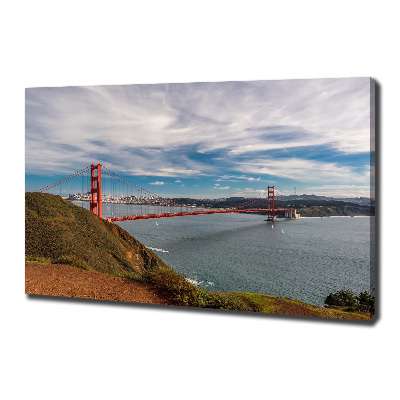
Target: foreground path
column 67, row 281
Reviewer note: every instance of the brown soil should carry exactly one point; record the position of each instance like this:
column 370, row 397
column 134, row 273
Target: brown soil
column 285, row 306
column 67, row 281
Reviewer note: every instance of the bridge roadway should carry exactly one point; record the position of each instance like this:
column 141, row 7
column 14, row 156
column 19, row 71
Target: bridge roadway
column 183, row 214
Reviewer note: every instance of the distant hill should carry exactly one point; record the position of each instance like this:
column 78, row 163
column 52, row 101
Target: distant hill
column 363, row 201
column 306, row 204
column 321, row 208
column 331, row 208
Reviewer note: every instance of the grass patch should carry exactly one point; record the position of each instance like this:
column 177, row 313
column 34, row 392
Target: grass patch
column 73, row 261
column 263, row 302
column 41, row 260
column 136, row 276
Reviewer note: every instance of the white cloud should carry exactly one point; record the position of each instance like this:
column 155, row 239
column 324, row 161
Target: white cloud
column 143, row 129
column 235, row 178
column 178, row 181
column 156, row 183
column 340, row 190
column 248, row 192
column 304, row 170
column 174, row 171
column 338, row 187
column 218, row 186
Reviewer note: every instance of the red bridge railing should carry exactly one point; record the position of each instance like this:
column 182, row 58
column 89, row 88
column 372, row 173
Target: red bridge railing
column 183, row 214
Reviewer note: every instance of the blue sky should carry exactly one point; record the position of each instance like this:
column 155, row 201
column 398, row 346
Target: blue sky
column 207, row 139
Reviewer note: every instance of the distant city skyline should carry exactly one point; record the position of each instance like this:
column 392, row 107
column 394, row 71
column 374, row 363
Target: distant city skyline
column 207, row 140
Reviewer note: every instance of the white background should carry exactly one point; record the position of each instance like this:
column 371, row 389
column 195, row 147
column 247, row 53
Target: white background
column 89, row 350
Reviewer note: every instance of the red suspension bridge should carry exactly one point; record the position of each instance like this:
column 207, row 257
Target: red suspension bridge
column 97, row 186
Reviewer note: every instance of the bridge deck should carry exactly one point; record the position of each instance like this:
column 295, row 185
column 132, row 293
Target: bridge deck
column 183, row 214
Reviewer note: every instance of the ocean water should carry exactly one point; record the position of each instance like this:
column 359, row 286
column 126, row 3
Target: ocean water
column 304, row 259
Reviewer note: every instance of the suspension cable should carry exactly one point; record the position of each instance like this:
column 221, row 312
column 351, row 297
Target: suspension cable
column 247, row 203
column 59, row 182
column 134, row 186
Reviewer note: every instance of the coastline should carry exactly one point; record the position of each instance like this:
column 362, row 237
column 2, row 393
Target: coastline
column 75, row 253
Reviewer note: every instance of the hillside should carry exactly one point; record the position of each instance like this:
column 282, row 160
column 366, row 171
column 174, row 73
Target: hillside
column 64, row 233
column 71, row 252
column 344, row 210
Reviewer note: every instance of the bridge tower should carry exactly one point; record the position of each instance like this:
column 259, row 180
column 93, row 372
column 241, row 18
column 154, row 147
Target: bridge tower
column 271, row 203
column 95, row 190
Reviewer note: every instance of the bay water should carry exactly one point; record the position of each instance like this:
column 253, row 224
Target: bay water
column 303, row 259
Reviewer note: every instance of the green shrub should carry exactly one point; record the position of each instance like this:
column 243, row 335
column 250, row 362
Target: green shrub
column 366, row 302
column 346, row 298
column 342, row 298
column 184, row 293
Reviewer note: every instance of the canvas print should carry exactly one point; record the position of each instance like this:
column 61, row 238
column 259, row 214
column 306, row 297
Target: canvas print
column 250, row 196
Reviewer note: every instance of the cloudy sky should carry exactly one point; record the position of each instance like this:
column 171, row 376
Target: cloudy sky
column 207, row 139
